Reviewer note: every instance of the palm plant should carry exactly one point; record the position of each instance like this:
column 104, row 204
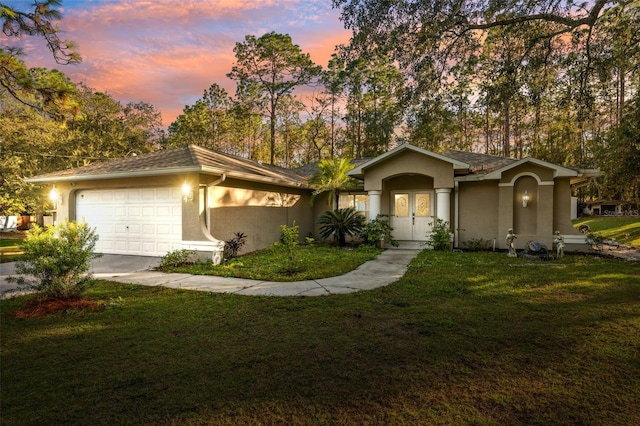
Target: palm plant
column 332, row 178
column 340, row 224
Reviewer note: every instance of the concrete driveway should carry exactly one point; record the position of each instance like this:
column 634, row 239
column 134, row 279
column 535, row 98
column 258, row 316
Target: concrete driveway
column 106, row 267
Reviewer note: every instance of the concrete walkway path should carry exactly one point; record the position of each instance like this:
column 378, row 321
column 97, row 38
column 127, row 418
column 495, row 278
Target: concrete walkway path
column 387, row 267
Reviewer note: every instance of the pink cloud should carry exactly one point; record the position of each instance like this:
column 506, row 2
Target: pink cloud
column 167, row 52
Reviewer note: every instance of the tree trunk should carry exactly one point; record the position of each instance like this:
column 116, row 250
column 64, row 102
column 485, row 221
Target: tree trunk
column 506, row 146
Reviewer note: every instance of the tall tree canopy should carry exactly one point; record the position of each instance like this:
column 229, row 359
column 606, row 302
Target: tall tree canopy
column 39, row 22
column 274, row 65
column 428, row 35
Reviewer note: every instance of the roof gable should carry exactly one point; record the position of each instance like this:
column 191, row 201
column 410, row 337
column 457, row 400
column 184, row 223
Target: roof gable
column 558, row 171
column 359, row 171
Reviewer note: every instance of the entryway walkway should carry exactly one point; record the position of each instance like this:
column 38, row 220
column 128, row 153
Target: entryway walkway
column 389, row 266
column 386, row 268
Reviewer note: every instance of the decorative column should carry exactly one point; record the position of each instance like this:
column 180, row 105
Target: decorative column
column 443, row 204
column 374, row 203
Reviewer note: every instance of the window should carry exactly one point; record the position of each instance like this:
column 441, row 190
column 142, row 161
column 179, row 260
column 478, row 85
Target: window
column 360, row 202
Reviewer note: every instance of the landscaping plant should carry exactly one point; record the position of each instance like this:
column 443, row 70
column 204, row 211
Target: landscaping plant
column 378, row 229
column 340, row 224
column 233, row 246
column 440, row 238
column 289, row 242
column 56, row 259
column 175, row 258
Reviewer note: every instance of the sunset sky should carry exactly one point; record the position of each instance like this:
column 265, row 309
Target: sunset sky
column 167, row 52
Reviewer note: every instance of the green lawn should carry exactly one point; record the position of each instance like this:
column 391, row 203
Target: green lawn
column 625, row 230
column 462, row 338
column 310, row 262
column 10, row 243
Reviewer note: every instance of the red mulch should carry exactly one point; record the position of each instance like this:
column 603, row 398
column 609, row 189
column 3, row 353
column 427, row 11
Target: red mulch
column 41, row 308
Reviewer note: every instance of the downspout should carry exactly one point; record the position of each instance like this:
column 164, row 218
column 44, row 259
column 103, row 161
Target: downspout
column 456, row 230
column 207, row 209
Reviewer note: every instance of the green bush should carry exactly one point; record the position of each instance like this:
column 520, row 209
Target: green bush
column 340, row 224
column 176, row 258
column 57, row 258
column 289, row 242
column 440, row 238
column 378, row 229
column 233, row 246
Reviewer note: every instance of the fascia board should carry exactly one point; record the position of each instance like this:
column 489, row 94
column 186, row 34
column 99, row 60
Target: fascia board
column 163, row 172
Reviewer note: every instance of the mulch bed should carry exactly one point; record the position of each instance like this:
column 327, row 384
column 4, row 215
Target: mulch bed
column 42, row 308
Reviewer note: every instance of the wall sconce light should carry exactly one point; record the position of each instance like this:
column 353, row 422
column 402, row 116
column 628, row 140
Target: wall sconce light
column 55, row 196
column 525, row 198
column 187, row 193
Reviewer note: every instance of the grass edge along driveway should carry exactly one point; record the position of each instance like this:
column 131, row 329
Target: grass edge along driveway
column 462, row 338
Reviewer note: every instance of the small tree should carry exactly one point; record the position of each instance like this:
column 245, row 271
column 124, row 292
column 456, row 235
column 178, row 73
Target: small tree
column 57, row 259
column 340, row 224
column 289, row 241
column 440, row 238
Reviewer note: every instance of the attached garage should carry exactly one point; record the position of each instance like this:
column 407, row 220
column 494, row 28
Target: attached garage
column 134, row 221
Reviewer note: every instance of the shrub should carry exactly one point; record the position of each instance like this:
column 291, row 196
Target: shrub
column 176, row 258
column 378, row 229
column 289, row 242
column 57, row 258
column 440, row 238
column 233, row 246
column 340, row 224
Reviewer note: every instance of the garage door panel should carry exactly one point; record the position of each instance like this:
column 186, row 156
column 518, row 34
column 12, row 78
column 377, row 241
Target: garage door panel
column 137, row 221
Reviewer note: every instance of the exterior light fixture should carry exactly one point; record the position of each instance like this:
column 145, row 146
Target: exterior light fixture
column 55, row 196
column 187, row 193
column 525, row 198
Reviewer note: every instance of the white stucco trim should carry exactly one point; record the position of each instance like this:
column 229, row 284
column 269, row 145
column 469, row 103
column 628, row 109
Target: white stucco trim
column 530, row 174
column 558, row 171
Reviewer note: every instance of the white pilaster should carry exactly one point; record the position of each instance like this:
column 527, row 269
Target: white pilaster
column 374, row 204
column 443, row 204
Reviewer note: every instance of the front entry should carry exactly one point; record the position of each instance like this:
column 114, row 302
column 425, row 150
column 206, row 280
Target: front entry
column 411, row 215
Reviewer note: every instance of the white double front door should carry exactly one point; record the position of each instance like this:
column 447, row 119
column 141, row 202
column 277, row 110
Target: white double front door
column 411, row 215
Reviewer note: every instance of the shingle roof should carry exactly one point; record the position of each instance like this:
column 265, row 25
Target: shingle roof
column 179, row 160
column 479, row 162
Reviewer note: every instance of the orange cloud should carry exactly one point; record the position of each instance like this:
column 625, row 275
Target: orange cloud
column 167, row 52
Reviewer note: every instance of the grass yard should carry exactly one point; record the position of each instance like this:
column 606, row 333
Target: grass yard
column 462, row 338
column 311, row 262
column 625, row 230
column 10, row 243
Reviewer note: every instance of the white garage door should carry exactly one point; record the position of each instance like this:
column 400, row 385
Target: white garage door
column 136, row 221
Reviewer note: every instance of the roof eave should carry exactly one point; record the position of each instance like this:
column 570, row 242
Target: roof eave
column 164, row 172
column 112, row 175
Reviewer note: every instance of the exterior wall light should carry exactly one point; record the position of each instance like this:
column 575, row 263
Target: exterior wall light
column 525, row 198
column 187, row 193
column 55, row 196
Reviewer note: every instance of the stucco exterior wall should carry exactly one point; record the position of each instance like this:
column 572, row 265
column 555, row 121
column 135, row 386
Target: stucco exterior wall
column 543, row 173
column 406, row 163
column 562, row 207
column 258, row 211
column 478, row 212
